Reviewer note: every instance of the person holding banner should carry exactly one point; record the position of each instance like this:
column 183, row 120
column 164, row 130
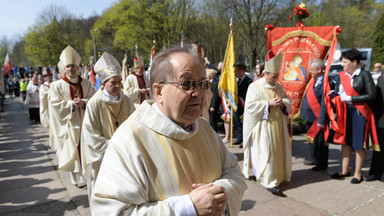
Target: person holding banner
column 356, row 91
column 266, row 138
column 314, row 112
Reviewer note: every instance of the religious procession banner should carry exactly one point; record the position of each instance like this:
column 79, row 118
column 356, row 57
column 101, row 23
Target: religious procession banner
column 299, row 45
column 228, row 82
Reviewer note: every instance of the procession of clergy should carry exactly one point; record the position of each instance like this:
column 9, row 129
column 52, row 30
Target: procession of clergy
column 147, row 150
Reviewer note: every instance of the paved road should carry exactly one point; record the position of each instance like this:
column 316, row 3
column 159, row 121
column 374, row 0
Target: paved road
column 30, row 183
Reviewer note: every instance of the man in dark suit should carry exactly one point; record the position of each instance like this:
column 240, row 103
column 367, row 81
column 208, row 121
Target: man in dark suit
column 377, row 163
column 313, row 111
column 214, row 107
column 243, row 81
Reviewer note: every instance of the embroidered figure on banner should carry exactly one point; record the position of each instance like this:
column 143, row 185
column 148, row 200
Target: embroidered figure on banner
column 295, row 71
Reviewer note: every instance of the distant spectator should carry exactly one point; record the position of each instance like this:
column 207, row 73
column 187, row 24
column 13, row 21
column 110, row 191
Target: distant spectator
column 258, row 71
column 377, row 71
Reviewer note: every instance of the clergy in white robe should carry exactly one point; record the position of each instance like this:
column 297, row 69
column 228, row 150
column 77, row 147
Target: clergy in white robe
column 67, row 103
column 105, row 111
column 33, row 99
column 137, row 85
column 166, row 159
column 266, row 139
column 43, row 93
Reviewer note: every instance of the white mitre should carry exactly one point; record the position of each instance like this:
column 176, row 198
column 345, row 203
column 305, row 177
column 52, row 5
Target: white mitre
column 107, row 66
column 70, row 56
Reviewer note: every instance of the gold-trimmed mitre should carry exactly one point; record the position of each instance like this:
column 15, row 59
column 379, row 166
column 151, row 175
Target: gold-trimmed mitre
column 274, row 64
column 70, row 56
column 107, row 66
column 60, row 67
column 138, row 61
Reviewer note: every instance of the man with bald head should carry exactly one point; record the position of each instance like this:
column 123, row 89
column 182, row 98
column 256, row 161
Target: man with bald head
column 166, row 159
column 377, row 69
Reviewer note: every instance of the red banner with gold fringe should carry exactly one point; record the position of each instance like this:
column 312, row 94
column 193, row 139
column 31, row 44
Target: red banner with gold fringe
column 299, row 45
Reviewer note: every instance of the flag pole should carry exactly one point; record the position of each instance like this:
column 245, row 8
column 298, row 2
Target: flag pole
column 291, row 131
column 231, row 122
column 231, row 128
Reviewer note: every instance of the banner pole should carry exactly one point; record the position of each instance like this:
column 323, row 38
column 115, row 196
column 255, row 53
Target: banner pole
column 291, row 131
column 231, row 128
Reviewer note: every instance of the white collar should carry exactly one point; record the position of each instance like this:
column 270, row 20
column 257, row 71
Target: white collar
column 189, row 128
column 110, row 97
column 73, row 80
column 357, row 72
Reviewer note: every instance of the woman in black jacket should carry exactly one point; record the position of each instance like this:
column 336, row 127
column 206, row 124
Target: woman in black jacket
column 357, row 90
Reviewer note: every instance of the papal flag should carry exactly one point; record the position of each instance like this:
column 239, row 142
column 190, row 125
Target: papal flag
column 228, row 83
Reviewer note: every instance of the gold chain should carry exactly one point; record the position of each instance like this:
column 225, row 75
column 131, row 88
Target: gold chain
column 116, row 122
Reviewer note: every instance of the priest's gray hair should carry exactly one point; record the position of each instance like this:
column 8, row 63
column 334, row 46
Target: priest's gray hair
column 318, row 63
column 162, row 70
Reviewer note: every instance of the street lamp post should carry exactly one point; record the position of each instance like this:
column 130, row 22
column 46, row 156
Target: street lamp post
column 94, row 47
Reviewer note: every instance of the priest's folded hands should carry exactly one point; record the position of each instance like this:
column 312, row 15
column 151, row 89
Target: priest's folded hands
column 208, row 199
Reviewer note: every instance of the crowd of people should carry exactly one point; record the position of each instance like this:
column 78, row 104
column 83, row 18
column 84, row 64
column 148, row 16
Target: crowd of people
column 150, row 144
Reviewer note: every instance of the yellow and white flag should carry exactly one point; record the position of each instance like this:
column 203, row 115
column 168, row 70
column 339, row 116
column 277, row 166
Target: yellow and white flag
column 228, row 82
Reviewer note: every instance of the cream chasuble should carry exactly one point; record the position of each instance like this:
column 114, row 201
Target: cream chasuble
column 44, row 114
column 132, row 90
column 149, row 160
column 99, row 124
column 65, row 123
column 266, row 141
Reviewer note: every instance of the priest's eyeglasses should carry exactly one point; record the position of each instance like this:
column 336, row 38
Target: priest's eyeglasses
column 191, row 84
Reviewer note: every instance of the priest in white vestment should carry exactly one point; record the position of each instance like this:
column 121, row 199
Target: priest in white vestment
column 136, row 85
column 33, row 99
column 267, row 147
column 105, row 111
column 43, row 93
column 67, row 103
column 166, row 159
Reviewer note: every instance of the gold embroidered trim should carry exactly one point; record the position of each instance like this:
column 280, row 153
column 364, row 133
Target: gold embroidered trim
column 376, row 148
column 302, row 33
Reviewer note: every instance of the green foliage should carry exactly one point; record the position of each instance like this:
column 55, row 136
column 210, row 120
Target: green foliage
column 357, row 20
column 18, row 54
column 4, row 49
column 378, row 41
column 134, row 22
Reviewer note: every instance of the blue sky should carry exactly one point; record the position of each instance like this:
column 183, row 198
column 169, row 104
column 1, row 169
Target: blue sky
column 17, row 15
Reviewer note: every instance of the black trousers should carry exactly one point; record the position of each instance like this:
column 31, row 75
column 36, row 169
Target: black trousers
column 34, row 114
column 377, row 163
column 24, row 94
column 318, row 149
column 214, row 119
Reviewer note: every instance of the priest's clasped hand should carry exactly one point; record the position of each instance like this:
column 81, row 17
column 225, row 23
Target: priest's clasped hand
column 276, row 102
column 208, row 199
column 78, row 103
